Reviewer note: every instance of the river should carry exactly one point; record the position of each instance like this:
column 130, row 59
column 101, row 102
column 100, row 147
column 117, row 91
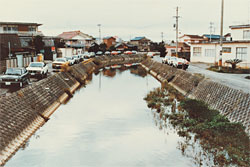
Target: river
column 105, row 124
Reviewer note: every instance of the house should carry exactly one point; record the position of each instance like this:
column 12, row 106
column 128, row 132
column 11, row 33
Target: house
column 121, row 47
column 142, row 43
column 25, row 31
column 10, row 49
column 9, row 45
column 183, row 50
column 77, row 40
column 109, row 41
column 20, row 28
column 171, row 49
column 187, row 38
column 236, row 47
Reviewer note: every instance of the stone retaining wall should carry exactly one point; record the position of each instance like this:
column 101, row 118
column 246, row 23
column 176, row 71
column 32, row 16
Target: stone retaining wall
column 232, row 103
column 25, row 111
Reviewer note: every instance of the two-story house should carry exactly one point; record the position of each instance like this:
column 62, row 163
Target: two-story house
column 109, row 41
column 77, row 40
column 235, row 47
column 142, row 43
column 20, row 28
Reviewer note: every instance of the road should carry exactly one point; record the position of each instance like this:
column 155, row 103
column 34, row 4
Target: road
column 5, row 91
column 236, row 81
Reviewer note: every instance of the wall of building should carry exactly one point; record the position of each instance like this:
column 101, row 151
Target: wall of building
column 67, row 51
column 225, row 56
column 237, row 34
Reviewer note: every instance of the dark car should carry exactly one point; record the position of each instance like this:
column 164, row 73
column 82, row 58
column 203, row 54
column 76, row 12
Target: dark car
column 14, row 76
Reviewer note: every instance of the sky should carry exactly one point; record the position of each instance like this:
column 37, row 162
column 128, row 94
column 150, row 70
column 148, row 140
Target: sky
column 126, row 18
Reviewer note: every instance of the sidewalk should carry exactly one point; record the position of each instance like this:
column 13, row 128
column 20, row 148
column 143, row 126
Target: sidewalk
column 236, row 81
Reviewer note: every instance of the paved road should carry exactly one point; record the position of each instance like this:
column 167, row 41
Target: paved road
column 236, row 81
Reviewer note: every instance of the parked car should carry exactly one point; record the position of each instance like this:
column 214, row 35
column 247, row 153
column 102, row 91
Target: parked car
column 114, row 53
column 181, row 63
column 92, row 54
column 128, row 52
column 172, row 60
column 59, row 63
column 87, row 55
column 71, row 60
column 166, row 60
column 107, row 53
column 38, row 69
column 81, row 57
column 76, row 58
column 14, row 76
column 151, row 54
column 99, row 53
column 134, row 52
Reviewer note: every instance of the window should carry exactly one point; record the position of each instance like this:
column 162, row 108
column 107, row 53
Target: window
column 241, row 53
column 173, row 50
column 226, row 50
column 32, row 29
column 246, row 34
column 5, row 28
column 197, row 51
column 210, row 52
column 14, row 29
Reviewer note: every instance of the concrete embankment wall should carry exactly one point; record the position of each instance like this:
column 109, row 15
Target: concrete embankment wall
column 25, row 111
column 232, row 103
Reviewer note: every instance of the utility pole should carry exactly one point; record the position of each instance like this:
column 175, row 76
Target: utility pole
column 211, row 30
column 221, row 34
column 9, row 50
column 162, row 37
column 177, row 29
column 99, row 25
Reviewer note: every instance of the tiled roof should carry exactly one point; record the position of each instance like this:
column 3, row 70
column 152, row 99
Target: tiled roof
column 193, row 36
column 137, row 38
column 19, row 23
column 240, row 26
column 69, row 35
column 108, row 37
column 212, row 36
column 72, row 34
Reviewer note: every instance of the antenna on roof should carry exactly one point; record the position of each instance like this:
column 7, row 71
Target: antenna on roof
column 211, row 30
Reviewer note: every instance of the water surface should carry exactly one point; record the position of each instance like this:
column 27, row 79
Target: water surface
column 106, row 124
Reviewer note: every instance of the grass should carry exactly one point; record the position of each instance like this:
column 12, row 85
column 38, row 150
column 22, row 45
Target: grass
column 227, row 141
column 229, row 70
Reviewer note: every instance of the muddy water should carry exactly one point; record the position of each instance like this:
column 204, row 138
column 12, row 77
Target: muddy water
column 105, row 124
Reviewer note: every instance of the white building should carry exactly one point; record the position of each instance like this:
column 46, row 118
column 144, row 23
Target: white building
column 237, row 48
column 20, row 28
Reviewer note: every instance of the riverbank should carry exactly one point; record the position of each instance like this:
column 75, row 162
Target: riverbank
column 227, row 142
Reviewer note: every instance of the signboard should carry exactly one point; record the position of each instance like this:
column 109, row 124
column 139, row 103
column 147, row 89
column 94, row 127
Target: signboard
column 53, row 49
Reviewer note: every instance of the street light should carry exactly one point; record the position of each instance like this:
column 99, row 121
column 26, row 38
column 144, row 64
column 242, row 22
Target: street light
column 221, row 34
column 99, row 25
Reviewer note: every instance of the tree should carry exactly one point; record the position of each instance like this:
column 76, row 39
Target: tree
column 162, row 49
column 94, row 48
column 37, row 43
column 103, row 47
column 112, row 48
column 233, row 62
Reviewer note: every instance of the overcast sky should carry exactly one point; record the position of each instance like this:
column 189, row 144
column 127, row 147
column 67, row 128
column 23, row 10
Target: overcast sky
column 126, row 18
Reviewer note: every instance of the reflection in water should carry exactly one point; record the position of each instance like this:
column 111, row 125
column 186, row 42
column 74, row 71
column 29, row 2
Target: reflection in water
column 107, row 128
